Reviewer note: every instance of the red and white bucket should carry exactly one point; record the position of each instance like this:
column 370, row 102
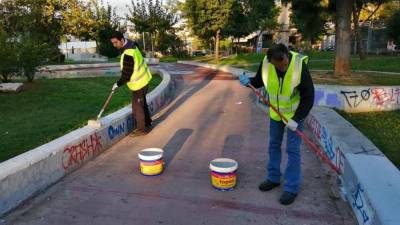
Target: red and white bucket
column 151, row 161
column 223, row 173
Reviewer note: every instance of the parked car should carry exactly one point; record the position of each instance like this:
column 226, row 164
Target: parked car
column 199, row 53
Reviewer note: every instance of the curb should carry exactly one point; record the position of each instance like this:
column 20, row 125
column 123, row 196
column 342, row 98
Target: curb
column 149, row 61
column 370, row 183
column 27, row 174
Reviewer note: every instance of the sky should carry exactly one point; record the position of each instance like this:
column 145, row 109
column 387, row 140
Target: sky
column 121, row 6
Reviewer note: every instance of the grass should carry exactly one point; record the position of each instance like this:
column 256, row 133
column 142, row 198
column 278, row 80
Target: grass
column 382, row 128
column 48, row 109
column 355, row 79
column 324, row 61
column 374, row 63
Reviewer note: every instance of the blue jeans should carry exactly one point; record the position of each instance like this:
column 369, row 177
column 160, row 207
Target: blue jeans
column 293, row 168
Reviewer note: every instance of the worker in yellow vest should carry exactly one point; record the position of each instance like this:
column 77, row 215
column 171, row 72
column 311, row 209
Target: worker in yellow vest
column 287, row 81
column 136, row 75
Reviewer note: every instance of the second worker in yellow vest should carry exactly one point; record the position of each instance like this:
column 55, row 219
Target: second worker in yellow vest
column 136, row 75
column 287, row 81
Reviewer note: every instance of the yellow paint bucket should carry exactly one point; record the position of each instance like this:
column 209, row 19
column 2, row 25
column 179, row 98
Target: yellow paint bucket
column 151, row 161
column 223, row 173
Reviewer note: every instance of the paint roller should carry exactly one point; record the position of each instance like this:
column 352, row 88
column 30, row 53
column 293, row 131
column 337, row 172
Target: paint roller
column 97, row 123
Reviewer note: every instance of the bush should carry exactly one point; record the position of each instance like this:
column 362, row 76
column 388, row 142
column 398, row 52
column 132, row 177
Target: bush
column 393, row 26
column 8, row 56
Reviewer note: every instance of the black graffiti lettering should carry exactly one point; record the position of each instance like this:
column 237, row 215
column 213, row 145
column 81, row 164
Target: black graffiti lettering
column 365, row 94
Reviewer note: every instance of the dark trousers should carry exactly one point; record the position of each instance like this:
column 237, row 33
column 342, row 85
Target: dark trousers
column 140, row 109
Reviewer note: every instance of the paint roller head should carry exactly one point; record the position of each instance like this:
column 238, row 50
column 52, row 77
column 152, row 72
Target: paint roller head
column 94, row 123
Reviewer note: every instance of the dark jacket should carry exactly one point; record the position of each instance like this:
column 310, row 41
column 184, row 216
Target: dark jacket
column 128, row 63
column 306, row 89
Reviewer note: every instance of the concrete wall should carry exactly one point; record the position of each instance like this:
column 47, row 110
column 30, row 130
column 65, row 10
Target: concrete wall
column 25, row 175
column 358, row 98
column 370, row 182
column 355, row 98
column 11, row 87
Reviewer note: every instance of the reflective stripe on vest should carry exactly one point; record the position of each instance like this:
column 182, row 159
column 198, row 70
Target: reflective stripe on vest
column 283, row 96
column 141, row 75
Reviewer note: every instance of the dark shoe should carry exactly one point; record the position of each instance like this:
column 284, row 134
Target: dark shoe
column 148, row 128
column 137, row 133
column 267, row 185
column 287, row 198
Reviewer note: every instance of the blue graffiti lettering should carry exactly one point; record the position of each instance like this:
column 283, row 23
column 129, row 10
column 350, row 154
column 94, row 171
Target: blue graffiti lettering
column 327, row 144
column 116, row 131
column 129, row 123
column 358, row 203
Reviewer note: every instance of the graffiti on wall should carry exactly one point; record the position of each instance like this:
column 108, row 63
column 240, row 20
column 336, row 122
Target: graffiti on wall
column 377, row 96
column 121, row 128
column 360, row 205
column 332, row 148
column 322, row 97
column 78, row 153
column 354, row 98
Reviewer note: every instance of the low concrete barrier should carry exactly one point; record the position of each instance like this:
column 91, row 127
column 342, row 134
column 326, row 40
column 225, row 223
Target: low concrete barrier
column 370, row 181
column 27, row 174
column 11, row 87
column 358, row 98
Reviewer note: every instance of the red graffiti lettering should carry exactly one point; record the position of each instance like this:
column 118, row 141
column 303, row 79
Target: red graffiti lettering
column 380, row 96
column 75, row 154
column 315, row 126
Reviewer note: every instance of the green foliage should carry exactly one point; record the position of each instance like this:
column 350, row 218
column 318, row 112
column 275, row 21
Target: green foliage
column 8, row 66
column 393, row 26
column 309, row 17
column 26, row 37
column 262, row 15
column 104, row 44
column 151, row 16
column 31, row 53
column 106, row 22
column 206, row 17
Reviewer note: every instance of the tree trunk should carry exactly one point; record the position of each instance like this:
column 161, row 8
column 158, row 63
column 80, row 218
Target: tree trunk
column 217, row 45
column 343, row 33
column 357, row 33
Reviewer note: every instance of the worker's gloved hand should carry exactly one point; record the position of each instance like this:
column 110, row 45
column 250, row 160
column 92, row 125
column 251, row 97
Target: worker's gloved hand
column 114, row 87
column 292, row 125
column 244, row 80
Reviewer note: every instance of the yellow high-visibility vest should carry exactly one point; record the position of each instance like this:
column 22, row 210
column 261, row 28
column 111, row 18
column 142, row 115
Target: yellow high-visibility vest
column 141, row 75
column 283, row 94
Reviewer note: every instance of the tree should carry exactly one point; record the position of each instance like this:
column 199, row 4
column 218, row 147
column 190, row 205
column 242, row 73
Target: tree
column 249, row 16
column 309, row 17
column 106, row 22
column 7, row 57
column 362, row 13
column 208, row 18
column 393, row 26
column 150, row 16
column 343, row 37
column 27, row 36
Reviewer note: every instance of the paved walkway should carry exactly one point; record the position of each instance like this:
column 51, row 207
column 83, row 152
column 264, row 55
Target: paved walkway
column 212, row 116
